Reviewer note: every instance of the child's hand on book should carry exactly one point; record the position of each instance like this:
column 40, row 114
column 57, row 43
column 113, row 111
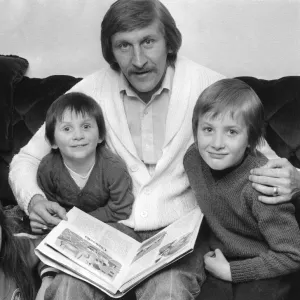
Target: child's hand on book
column 216, row 264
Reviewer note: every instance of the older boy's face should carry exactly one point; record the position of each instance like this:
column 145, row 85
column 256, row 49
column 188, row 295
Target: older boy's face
column 142, row 57
column 222, row 141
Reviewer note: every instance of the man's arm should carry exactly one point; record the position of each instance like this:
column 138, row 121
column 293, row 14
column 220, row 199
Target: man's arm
column 278, row 180
column 23, row 169
column 23, row 181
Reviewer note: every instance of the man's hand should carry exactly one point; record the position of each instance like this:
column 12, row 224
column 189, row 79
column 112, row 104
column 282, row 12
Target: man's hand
column 44, row 214
column 278, row 180
column 216, row 264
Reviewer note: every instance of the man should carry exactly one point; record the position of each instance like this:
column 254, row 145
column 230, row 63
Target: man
column 147, row 96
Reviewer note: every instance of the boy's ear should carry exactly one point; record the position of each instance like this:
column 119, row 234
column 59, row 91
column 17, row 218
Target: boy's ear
column 54, row 146
column 100, row 140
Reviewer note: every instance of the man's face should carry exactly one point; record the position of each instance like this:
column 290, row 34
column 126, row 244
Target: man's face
column 142, row 56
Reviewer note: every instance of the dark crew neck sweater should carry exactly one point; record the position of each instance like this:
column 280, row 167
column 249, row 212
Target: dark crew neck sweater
column 260, row 241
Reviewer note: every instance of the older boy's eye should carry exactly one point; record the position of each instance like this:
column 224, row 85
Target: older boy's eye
column 232, row 132
column 207, row 129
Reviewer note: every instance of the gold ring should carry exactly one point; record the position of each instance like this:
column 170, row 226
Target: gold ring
column 275, row 191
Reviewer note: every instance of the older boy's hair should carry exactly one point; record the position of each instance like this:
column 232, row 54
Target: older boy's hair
column 78, row 103
column 235, row 97
column 128, row 15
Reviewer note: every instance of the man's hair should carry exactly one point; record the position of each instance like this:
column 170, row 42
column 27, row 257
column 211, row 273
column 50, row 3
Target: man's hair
column 129, row 15
column 235, row 97
column 76, row 102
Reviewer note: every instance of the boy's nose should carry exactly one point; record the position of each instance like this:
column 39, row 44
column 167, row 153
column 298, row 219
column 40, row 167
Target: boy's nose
column 218, row 141
column 78, row 134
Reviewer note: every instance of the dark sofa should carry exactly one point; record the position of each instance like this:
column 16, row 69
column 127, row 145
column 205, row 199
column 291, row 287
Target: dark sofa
column 24, row 102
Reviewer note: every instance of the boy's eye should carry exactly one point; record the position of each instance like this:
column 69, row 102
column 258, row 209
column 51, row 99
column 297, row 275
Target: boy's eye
column 86, row 126
column 67, row 128
column 207, row 129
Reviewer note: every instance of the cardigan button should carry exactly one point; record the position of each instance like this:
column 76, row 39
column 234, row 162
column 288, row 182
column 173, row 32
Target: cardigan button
column 147, row 191
column 134, row 168
column 144, row 214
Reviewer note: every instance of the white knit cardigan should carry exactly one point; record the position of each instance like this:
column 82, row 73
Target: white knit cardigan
column 160, row 199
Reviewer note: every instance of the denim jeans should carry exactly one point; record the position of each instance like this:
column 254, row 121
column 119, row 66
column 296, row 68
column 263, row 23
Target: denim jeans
column 181, row 280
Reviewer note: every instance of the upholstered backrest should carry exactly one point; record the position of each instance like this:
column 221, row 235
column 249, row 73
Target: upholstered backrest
column 281, row 100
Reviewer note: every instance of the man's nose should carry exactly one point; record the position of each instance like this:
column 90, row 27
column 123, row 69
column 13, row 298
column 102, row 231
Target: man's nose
column 139, row 58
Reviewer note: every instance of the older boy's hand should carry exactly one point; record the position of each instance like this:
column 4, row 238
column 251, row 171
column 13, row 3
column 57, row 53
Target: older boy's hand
column 216, row 264
column 278, row 180
column 44, row 214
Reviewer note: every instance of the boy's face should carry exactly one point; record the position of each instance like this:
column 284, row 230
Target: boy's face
column 222, row 140
column 142, row 56
column 77, row 137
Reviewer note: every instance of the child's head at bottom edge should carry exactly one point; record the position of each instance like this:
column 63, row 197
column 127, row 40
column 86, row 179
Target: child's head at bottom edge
column 228, row 121
column 75, row 125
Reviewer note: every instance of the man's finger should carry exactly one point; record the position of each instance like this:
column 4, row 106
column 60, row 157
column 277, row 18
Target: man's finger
column 267, row 181
column 269, row 190
column 276, row 163
column 263, row 172
column 273, row 200
column 53, row 213
column 59, row 211
column 36, row 218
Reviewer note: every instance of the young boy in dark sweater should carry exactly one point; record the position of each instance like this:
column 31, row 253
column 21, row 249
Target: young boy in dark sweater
column 80, row 171
column 254, row 246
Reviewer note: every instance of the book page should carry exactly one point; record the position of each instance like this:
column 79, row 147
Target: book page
column 45, row 253
column 85, row 243
column 165, row 247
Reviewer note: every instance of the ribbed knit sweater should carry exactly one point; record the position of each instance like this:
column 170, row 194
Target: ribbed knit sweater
column 260, row 241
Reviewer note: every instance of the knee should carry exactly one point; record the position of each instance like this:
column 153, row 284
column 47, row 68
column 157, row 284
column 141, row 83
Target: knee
column 65, row 287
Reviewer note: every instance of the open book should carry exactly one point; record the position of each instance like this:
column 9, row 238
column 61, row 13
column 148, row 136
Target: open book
column 101, row 255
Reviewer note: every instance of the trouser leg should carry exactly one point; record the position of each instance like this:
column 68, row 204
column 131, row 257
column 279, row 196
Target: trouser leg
column 66, row 287
column 181, row 280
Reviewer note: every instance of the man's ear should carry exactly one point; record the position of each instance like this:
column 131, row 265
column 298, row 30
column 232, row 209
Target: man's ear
column 54, row 146
column 100, row 140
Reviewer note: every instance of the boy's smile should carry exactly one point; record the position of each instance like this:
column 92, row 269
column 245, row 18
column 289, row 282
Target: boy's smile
column 76, row 136
column 222, row 140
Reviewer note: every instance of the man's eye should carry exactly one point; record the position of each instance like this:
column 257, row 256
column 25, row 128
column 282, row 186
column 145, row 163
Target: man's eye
column 123, row 46
column 148, row 42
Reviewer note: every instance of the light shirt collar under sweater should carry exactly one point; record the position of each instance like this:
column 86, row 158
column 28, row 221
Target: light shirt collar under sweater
column 147, row 120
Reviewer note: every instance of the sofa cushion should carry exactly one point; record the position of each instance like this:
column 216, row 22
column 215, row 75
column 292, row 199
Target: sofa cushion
column 281, row 100
column 33, row 96
column 12, row 69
